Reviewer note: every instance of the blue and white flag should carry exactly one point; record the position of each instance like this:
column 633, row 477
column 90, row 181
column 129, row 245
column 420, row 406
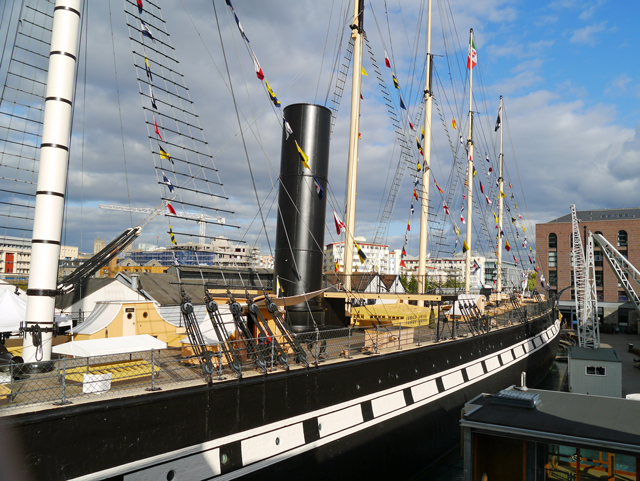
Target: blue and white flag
column 168, row 183
column 319, row 189
column 145, row 31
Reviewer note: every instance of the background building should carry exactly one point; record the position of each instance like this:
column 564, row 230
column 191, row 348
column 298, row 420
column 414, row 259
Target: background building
column 621, row 227
column 15, row 256
column 377, row 257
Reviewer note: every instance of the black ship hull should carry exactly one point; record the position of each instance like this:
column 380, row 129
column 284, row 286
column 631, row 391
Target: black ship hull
column 379, row 416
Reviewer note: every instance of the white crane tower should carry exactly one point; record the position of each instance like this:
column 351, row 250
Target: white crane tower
column 202, row 218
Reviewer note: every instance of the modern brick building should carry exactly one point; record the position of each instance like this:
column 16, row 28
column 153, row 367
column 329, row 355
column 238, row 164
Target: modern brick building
column 621, row 227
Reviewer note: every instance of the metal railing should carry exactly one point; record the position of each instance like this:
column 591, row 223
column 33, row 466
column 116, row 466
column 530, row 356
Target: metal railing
column 99, row 377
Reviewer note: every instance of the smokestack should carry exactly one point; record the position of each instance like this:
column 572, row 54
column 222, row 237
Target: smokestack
column 301, row 212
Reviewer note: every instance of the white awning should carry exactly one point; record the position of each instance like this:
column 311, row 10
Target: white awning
column 111, row 345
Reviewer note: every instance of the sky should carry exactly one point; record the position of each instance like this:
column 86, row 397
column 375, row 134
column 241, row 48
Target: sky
column 566, row 71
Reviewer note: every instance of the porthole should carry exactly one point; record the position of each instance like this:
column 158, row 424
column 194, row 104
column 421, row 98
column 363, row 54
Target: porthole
column 277, row 441
column 171, row 475
column 224, row 458
column 129, row 316
column 145, row 314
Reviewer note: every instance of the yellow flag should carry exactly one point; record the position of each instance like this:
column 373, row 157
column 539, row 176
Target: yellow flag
column 523, row 229
column 419, row 167
column 164, row 155
column 465, row 246
column 453, row 123
column 361, row 254
column 364, row 72
column 272, row 95
column 173, row 238
column 303, row 157
column 495, row 217
column 502, row 194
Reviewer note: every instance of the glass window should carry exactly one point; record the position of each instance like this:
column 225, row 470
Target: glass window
column 597, row 257
column 622, row 296
column 622, row 238
column 571, row 240
column 595, row 370
column 599, row 279
column 553, row 241
column 572, row 280
column 553, row 278
column 553, row 259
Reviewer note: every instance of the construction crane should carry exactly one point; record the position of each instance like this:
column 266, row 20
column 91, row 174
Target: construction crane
column 584, row 287
column 622, row 268
column 202, row 218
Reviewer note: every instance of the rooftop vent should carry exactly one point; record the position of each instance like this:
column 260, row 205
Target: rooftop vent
column 516, row 399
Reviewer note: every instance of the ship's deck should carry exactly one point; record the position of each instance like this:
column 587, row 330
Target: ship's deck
column 84, row 380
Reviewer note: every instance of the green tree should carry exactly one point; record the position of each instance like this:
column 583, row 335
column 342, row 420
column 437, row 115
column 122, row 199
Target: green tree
column 531, row 283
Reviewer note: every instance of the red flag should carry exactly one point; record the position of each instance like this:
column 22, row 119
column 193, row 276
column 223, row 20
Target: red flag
column 409, row 226
column 481, row 188
column 139, row 6
column 446, row 208
column 172, row 211
column 462, row 219
column 530, row 261
column 507, row 246
column 411, row 125
column 415, row 194
column 339, row 224
column 256, row 65
column 157, row 131
column 490, row 170
column 386, row 59
column 488, row 200
column 515, row 260
column 404, row 252
column 402, row 263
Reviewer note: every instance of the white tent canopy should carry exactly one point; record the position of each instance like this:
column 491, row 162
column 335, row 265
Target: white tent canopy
column 13, row 309
column 112, row 345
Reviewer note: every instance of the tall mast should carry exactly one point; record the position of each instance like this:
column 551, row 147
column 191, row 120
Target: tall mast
column 426, row 166
column 467, row 266
column 352, row 166
column 500, row 204
column 54, row 156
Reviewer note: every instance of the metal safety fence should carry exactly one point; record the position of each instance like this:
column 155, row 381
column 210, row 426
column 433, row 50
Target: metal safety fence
column 64, row 380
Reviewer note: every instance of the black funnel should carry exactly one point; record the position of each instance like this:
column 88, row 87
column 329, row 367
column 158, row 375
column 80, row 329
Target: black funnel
column 301, row 212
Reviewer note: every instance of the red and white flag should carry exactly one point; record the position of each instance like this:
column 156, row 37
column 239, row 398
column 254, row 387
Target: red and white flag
column 386, row 59
column 256, row 65
column 157, row 131
column 488, row 200
column 340, row 226
column 172, row 211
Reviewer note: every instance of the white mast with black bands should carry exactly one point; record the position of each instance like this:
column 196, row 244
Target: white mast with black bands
column 500, row 205
column 54, row 157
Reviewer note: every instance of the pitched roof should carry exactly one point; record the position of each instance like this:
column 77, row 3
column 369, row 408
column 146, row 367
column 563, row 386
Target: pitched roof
column 88, row 287
column 601, row 214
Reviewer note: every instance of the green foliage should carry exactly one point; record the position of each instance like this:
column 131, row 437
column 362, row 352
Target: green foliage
column 531, row 283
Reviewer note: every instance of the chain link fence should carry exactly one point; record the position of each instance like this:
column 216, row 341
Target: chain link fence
column 66, row 379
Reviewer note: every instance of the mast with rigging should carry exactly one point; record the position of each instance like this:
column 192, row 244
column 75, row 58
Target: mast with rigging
column 426, row 165
column 500, row 206
column 352, row 166
column 467, row 266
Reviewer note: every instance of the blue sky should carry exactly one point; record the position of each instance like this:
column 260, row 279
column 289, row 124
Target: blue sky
column 565, row 68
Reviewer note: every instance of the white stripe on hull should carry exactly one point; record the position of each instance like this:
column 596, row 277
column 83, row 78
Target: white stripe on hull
column 334, row 423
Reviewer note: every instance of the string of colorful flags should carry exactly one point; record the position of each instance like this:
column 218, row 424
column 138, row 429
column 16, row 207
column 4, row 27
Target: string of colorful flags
column 164, row 154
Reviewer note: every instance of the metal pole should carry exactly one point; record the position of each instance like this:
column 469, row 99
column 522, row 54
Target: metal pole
column 349, row 345
column 352, row 165
column 500, row 206
column 419, row 331
column 377, row 338
column 50, row 192
column 399, row 337
column 467, row 267
column 426, row 167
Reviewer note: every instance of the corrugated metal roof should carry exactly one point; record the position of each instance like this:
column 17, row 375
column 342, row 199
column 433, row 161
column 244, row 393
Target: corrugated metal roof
column 600, row 354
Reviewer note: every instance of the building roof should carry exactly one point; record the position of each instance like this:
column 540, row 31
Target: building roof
column 164, row 288
column 88, row 287
column 593, row 420
column 600, row 354
column 601, row 214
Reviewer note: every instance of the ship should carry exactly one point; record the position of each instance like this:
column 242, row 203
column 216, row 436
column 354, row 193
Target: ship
column 298, row 389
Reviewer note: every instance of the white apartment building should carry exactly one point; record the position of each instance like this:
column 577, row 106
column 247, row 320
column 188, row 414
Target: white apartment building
column 15, row 255
column 378, row 259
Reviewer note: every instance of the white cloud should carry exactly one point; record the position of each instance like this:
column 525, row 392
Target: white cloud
column 587, row 35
